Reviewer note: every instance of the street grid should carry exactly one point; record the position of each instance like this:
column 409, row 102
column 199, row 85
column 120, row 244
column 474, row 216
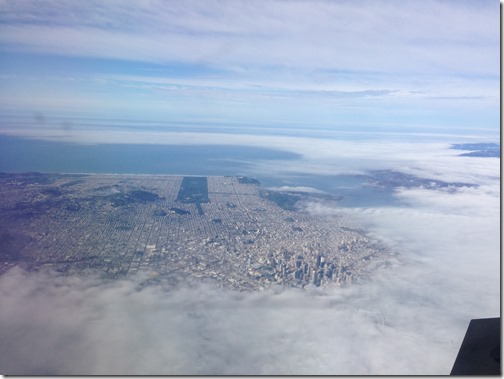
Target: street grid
column 122, row 225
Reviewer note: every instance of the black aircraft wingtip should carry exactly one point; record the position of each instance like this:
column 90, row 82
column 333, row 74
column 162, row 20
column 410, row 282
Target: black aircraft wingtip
column 480, row 350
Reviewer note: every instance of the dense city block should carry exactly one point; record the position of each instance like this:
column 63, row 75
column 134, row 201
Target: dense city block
column 177, row 228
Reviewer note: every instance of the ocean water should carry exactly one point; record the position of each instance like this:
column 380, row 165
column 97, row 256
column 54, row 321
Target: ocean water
column 24, row 155
column 32, row 155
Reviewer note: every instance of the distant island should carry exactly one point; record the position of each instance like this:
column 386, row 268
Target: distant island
column 485, row 150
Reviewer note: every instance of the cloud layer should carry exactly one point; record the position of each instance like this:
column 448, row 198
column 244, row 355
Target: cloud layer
column 56, row 325
column 232, row 33
column 433, row 63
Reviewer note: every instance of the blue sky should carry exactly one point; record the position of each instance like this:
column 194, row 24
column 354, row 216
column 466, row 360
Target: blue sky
column 410, row 66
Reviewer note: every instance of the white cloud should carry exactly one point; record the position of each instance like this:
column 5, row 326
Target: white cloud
column 310, row 62
column 57, row 325
column 423, row 36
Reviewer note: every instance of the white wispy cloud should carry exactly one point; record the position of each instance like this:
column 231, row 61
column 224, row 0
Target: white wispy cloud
column 266, row 32
column 267, row 61
column 401, row 37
